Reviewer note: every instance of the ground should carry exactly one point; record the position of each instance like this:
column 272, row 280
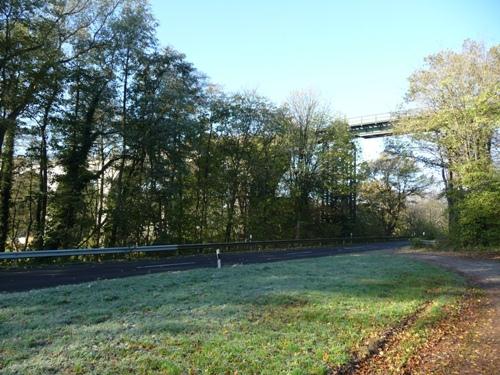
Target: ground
column 466, row 340
column 303, row 317
column 473, row 343
column 365, row 313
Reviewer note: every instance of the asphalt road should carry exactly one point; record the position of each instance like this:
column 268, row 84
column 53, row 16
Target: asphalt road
column 22, row 279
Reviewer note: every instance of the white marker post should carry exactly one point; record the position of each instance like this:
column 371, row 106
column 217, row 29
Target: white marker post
column 219, row 263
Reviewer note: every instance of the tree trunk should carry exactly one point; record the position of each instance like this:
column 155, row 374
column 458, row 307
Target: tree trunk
column 230, row 213
column 41, row 203
column 6, row 182
column 100, row 202
column 205, row 186
column 117, row 217
column 30, row 216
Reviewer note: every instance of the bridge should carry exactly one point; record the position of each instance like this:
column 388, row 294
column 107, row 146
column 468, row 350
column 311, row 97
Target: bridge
column 379, row 125
column 372, row 126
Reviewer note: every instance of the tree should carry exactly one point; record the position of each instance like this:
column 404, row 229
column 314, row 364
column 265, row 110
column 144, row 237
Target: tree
column 78, row 128
column 321, row 176
column 337, row 188
column 252, row 162
column 28, row 50
column 459, row 97
column 479, row 207
column 135, row 38
column 388, row 184
column 426, row 216
column 149, row 201
column 37, row 40
column 306, row 121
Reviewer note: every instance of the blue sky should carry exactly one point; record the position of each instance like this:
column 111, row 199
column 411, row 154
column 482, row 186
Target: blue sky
column 356, row 54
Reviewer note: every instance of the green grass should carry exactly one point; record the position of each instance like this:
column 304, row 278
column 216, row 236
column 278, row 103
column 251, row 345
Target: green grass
column 302, row 316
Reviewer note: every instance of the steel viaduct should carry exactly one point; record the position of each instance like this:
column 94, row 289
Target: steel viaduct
column 372, row 126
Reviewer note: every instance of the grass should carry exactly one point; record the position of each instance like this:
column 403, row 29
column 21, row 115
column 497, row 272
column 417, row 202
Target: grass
column 298, row 317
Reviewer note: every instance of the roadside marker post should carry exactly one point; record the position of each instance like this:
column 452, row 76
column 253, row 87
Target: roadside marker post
column 219, row 262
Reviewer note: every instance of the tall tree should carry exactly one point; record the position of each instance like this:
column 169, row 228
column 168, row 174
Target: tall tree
column 321, row 174
column 134, row 31
column 162, row 127
column 88, row 102
column 459, row 93
column 36, row 39
column 307, row 120
column 337, row 188
column 248, row 128
column 28, row 50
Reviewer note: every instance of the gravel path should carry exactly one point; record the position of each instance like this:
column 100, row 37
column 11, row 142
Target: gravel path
column 479, row 351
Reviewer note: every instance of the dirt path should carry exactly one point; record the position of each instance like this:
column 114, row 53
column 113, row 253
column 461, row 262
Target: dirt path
column 472, row 342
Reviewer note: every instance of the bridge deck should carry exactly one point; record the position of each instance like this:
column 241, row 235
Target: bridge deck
column 371, row 129
column 378, row 125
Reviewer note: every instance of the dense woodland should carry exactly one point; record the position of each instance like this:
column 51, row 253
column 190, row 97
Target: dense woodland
column 108, row 139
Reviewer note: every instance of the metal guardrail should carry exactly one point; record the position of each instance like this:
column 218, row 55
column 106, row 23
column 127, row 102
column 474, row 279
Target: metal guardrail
column 428, row 242
column 84, row 252
column 370, row 119
column 385, row 117
column 179, row 247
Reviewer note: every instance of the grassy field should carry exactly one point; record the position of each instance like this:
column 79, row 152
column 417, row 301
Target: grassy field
column 299, row 317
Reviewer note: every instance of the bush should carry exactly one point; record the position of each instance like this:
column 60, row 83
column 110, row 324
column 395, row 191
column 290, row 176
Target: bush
column 479, row 219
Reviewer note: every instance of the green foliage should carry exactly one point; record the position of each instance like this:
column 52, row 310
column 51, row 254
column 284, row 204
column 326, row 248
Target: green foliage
column 321, row 176
column 479, row 219
column 478, row 208
column 389, row 182
column 459, row 97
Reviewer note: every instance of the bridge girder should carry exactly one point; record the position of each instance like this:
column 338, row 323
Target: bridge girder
column 372, row 129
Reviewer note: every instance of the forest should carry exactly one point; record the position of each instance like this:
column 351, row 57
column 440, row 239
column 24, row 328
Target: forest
column 109, row 139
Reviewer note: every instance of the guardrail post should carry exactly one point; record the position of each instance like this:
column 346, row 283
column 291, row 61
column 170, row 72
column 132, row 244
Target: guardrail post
column 219, row 262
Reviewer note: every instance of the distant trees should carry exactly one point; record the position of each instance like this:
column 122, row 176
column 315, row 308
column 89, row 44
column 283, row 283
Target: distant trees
column 426, row 216
column 388, row 184
column 460, row 94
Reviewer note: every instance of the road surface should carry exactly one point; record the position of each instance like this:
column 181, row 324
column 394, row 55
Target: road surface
column 22, row 279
